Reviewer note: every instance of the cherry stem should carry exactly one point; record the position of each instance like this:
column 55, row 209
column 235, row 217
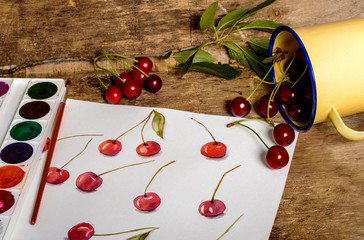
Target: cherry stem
column 80, row 135
column 218, row 185
column 135, row 164
column 145, row 119
column 77, row 154
column 227, row 230
column 145, row 191
column 248, row 119
column 255, row 134
column 129, row 231
column 261, row 81
column 206, row 129
column 300, row 76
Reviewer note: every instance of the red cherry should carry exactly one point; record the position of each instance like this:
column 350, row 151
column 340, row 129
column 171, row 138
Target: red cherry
column 131, row 89
column 125, row 76
column 138, row 76
column 263, row 106
column 113, row 94
column 88, row 181
column 110, row 147
column 283, row 134
column 214, row 150
column 153, row 83
column 211, row 208
column 148, row 148
column 81, row 231
column 147, row 202
column 285, row 94
column 240, row 107
column 295, row 111
column 277, row 157
column 56, row 175
column 145, row 64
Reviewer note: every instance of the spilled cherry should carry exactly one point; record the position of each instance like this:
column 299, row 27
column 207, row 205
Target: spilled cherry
column 214, row 207
column 85, row 231
column 283, row 134
column 240, row 107
column 113, row 94
column 60, row 175
column 263, row 106
column 90, row 181
column 213, row 149
column 149, row 200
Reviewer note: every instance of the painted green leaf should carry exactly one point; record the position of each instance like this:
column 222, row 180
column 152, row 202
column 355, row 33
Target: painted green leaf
column 158, row 123
column 141, row 236
column 208, row 17
column 260, row 46
column 221, row 70
column 237, row 54
column 201, row 56
column 262, row 25
column 231, row 18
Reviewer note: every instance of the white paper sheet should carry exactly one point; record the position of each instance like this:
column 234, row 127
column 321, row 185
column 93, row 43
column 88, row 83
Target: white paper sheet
column 253, row 189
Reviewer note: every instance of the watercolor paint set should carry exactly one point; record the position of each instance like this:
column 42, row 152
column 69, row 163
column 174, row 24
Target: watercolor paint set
column 28, row 108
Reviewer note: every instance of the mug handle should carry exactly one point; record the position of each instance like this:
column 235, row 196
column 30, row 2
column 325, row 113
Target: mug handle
column 344, row 130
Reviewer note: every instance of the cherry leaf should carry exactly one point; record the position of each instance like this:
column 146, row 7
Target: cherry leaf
column 141, row 236
column 260, row 6
column 260, row 46
column 262, row 25
column 207, row 19
column 221, row 70
column 237, row 54
column 231, row 18
column 158, row 123
column 201, row 56
column 187, row 65
column 166, row 55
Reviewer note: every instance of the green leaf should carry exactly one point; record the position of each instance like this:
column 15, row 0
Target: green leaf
column 221, row 70
column 260, row 46
column 187, row 65
column 269, row 59
column 260, row 6
column 141, row 236
column 237, row 54
column 231, row 18
column 208, row 17
column 256, row 62
column 165, row 56
column 158, row 123
column 201, row 56
column 262, row 25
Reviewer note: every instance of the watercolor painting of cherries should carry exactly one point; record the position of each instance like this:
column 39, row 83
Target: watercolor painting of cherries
column 155, row 173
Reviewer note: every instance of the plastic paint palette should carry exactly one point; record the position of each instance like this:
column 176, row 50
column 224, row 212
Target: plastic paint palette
column 28, row 108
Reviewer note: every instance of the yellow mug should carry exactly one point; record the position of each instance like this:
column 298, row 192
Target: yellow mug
column 334, row 53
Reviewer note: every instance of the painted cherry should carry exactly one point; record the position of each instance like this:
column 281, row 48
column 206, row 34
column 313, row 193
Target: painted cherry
column 59, row 175
column 131, row 89
column 90, row 181
column 124, row 76
column 214, row 207
column 113, row 94
column 263, row 106
column 213, row 149
column 148, row 148
column 85, row 231
column 145, row 64
column 149, row 200
column 240, row 107
column 153, row 83
column 110, row 147
column 277, row 157
column 81, row 231
column 283, row 134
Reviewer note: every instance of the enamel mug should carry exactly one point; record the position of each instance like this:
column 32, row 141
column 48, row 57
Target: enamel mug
column 334, row 53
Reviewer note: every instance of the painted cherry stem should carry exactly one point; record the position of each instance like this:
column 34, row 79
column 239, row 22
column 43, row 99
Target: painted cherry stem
column 129, row 231
column 151, row 180
column 146, row 121
column 76, row 155
column 218, row 185
column 227, row 230
column 131, row 165
column 205, row 128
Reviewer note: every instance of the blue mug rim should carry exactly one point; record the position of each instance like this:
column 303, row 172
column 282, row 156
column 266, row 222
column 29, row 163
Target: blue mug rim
column 311, row 120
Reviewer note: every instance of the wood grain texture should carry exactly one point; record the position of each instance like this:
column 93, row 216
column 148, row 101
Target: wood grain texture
column 323, row 197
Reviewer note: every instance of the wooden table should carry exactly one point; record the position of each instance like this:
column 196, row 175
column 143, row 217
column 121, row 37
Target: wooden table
column 323, row 198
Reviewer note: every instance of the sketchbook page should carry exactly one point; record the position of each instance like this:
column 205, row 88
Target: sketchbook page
column 252, row 189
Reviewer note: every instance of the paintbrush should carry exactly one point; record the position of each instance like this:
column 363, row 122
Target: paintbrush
column 52, row 145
